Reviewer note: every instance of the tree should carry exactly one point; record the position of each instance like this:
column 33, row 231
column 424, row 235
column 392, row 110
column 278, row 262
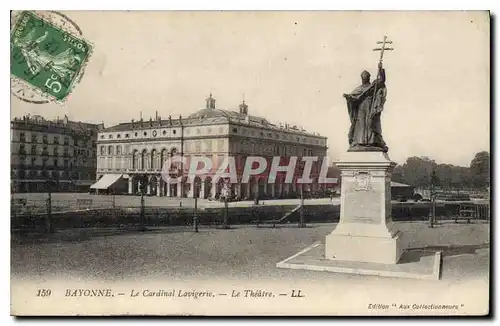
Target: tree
column 444, row 173
column 398, row 174
column 417, row 171
column 480, row 170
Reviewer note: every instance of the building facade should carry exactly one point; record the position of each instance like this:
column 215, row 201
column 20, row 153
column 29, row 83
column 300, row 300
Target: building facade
column 57, row 154
column 133, row 154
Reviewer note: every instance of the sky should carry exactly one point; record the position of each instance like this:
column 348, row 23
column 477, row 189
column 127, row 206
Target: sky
column 292, row 67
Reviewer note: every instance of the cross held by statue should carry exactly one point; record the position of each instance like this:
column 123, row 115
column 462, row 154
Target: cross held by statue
column 383, row 48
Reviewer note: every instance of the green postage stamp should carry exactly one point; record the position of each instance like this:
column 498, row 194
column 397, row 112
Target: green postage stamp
column 48, row 56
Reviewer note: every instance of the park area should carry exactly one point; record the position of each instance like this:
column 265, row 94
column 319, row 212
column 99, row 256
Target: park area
column 32, row 212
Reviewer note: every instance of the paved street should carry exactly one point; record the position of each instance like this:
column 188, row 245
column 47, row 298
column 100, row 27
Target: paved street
column 243, row 252
column 242, row 258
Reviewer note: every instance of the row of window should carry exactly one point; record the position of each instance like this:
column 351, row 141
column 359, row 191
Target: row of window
column 271, row 149
column 23, row 174
column 274, row 135
column 208, row 130
column 56, row 140
column 46, row 162
column 117, row 150
column 45, row 151
column 154, row 133
column 45, row 139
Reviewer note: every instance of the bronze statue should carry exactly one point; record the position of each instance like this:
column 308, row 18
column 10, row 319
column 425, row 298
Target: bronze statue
column 365, row 104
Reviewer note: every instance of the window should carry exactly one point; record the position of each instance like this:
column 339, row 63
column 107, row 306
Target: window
column 110, row 150
column 66, row 152
column 33, row 150
column 235, row 130
column 145, row 133
column 220, row 145
column 22, row 150
column 56, row 140
column 118, row 150
column 126, row 135
column 135, row 134
column 198, row 131
column 56, row 162
column 209, row 145
column 209, row 130
column 45, row 139
column 22, row 137
column 66, row 141
column 197, row 146
column 164, row 132
column 33, row 138
column 261, row 133
column 102, row 136
column 66, row 162
column 102, row 150
column 118, row 136
column 56, row 152
column 174, row 131
column 110, row 136
column 33, row 161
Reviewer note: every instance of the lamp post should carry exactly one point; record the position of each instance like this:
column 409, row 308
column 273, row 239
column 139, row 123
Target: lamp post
column 182, row 156
column 141, row 212
column 195, row 216
column 225, row 195
column 49, row 226
column 301, row 209
column 432, row 211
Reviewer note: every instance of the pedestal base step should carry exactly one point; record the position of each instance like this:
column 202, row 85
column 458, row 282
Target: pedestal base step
column 378, row 250
column 423, row 265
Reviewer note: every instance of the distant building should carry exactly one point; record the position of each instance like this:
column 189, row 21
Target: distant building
column 58, row 153
column 131, row 155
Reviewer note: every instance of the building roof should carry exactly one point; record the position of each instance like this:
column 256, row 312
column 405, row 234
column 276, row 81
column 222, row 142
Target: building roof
column 206, row 116
column 39, row 123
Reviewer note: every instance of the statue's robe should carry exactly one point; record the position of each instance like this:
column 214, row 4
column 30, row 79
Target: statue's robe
column 364, row 113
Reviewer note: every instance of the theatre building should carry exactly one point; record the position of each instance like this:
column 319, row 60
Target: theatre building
column 131, row 155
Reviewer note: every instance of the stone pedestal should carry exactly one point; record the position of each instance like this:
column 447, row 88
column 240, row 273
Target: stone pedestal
column 365, row 232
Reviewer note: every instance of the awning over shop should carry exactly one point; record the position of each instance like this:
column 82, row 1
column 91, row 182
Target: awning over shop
column 106, row 181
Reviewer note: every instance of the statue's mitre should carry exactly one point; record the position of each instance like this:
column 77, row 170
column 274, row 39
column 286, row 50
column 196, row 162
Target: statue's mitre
column 364, row 73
